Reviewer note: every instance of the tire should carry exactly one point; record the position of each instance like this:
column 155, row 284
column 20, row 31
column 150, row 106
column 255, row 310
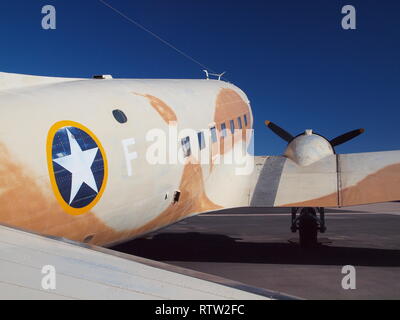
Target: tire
column 308, row 228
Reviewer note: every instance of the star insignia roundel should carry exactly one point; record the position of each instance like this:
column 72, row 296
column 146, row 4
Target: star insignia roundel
column 77, row 166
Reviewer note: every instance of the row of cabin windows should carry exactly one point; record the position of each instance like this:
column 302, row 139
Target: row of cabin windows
column 201, row 138
column 120, row 116
column 232, row 125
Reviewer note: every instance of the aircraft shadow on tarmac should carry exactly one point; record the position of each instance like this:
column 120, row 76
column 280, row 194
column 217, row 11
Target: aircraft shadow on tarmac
column 203, row 247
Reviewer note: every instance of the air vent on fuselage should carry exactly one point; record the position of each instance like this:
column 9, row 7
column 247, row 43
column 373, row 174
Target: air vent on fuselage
column 103, row 77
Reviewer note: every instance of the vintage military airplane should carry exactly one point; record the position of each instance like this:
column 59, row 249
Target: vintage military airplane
column 78, row 159
column 74, row 159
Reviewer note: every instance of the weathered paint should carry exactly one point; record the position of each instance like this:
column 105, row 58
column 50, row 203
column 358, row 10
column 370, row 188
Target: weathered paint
column 161, row 107
column 133, row 205
column 129, row 206
column 358, row 185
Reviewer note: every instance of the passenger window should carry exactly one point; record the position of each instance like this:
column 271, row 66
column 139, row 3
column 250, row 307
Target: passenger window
column 202, row 142
column 186, row 147
column 240, row 123
column 223, row 130
column 232, row 126
column 213, row 134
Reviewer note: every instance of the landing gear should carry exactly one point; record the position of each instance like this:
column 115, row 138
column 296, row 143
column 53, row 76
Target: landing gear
column 308, row 225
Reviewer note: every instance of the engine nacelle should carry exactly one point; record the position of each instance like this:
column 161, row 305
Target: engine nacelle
column 308, row 148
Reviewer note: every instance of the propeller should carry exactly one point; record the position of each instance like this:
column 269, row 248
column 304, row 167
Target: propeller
column 346, row 137
column 334, row 142
column 279, row 131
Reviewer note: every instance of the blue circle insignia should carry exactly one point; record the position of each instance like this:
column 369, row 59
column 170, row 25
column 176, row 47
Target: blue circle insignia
column 78, row 165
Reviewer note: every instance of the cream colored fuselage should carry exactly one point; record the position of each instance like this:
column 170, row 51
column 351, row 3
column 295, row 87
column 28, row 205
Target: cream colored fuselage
column 138, row 195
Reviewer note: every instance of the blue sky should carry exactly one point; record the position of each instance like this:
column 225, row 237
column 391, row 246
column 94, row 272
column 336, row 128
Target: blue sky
column 297, row 65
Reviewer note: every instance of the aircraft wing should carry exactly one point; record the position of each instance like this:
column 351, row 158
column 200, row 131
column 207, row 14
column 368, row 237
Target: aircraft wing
column 88, row 272
column 334, row 181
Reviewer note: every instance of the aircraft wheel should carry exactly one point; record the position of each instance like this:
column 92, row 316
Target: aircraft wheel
column 308, row 228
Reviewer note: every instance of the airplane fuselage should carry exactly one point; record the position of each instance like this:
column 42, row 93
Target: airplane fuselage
column 103, row 161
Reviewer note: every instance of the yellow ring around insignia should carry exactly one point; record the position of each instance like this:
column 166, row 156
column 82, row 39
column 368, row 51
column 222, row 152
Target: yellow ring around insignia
column 49, row 146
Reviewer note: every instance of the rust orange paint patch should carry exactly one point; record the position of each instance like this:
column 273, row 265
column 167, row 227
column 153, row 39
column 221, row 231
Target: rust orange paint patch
column 229, row 106
column 381, row 186
column 326, row 201
column 165, row 111
column 384, row 185
column 24, row 204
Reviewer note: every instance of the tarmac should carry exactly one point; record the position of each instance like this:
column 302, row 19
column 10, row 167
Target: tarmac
column 253, row 246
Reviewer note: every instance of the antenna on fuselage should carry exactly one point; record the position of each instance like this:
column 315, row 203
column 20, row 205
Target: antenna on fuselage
column 218, row 75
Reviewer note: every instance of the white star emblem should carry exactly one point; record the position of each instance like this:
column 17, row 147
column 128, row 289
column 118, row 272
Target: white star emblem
column 79, row 164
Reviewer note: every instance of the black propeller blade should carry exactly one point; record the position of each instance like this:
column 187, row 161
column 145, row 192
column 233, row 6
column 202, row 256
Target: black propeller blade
column 346, row 137
column 279, row 131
